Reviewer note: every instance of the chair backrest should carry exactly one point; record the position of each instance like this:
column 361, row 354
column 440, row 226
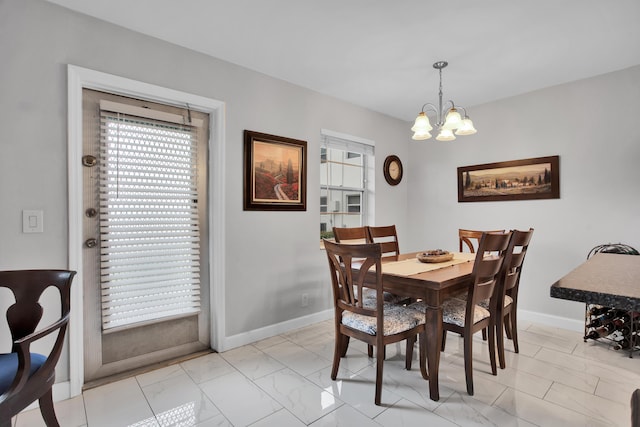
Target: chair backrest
column 387, row 236
column 467, row 238
column 27, row 287
column 516, row 252
column 486, row 269
column 23, row 317
column 350, row 234
column 347, row 283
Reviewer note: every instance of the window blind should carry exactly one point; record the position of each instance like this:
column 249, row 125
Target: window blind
column 347, row 143
column 149, row 229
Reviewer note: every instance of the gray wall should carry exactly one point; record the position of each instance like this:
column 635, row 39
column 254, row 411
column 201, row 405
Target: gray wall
column 271, row 257
column 591, row 125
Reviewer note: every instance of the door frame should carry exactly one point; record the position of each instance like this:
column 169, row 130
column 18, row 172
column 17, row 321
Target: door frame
column 79, row 78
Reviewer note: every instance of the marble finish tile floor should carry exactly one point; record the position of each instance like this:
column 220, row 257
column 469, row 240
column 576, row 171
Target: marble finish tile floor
column 555, row 380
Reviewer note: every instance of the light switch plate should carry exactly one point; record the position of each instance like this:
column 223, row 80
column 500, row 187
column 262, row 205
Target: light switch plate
column 32, row 221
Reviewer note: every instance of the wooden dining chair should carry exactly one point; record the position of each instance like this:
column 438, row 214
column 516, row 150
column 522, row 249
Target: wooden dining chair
column 507, row 291
column 350, row 234
column 471, row 238
column 26, row 376
column 377, row 325
column 466, row 317
column 387, row 236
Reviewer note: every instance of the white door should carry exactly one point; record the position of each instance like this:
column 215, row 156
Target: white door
column 146, row 275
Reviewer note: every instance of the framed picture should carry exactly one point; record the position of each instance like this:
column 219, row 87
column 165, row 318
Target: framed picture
column 275, row 173
column 526, row 179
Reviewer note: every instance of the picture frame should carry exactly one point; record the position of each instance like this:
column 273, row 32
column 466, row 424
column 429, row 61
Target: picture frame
column 275, row 173
column 527, row 179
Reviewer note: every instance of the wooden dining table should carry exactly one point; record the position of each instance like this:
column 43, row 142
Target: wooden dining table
column 403, row 275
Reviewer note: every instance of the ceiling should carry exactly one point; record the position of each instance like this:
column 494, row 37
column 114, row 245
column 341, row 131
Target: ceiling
column 379, row 53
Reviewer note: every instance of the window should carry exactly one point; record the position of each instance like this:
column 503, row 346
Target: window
column 149, row 224
column 346, row 182
column 353, row 203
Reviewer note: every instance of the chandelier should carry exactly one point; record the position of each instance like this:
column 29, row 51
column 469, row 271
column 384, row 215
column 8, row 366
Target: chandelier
column 448, row 119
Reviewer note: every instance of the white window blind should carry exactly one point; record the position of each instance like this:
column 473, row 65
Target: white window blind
column 149, row 230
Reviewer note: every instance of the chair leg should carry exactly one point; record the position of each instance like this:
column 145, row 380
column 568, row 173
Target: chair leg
column 337, row 353
column 484, row 334
column 345, row 345
column 422, row 343
column 47, row 410
column 500, row 341
column 492, row 348
column 507, row 326
column 514, row 329
column 468, row 362
column 379, row 364
column 5, row 422
column 444, row 339
column 370, row 351
column 409, row 353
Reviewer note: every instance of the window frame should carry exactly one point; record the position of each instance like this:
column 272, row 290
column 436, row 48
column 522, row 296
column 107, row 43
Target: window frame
column 352, row 147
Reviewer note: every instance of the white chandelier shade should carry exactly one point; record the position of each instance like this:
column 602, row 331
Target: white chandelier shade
column 448, row 119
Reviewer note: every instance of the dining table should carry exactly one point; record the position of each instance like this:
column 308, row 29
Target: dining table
column 405, row 275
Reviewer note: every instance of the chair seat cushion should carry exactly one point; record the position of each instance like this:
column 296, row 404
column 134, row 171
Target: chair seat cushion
column 453, row 311
column 396, row 319
column 370, row 295
column 485, row 303
column 9, row 368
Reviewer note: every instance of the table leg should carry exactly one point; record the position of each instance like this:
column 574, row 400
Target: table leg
column 434, row 342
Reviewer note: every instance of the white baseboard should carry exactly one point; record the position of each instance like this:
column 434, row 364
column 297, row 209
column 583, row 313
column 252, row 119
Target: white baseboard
column 551, row 320
column 228, row 343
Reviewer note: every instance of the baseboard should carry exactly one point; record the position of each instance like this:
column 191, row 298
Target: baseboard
column 228, row 343
column 551, row 320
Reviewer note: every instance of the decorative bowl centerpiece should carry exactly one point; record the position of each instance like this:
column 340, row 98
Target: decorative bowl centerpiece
column 435, row 255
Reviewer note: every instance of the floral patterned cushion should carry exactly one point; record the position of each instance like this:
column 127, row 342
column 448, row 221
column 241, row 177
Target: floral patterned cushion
column 453, row 310
column 485, row 303
column 396, row 319
column 369, row 297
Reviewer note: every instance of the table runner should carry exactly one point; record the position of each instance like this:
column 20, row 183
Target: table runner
column 412, row 266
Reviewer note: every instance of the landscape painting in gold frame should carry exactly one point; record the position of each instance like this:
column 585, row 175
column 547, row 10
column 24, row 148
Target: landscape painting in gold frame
column 275, row 175
column 537, row 178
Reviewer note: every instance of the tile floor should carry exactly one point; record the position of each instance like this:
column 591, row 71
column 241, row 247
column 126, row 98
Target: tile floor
column 555, row 380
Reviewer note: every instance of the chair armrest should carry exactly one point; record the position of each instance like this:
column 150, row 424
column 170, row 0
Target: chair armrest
column 26, row 341
column 22, row 347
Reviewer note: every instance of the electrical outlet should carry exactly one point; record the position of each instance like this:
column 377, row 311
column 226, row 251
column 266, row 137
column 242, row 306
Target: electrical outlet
column 304, row 301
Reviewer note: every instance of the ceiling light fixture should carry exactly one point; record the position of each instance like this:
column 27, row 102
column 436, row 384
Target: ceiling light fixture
column 448, row 118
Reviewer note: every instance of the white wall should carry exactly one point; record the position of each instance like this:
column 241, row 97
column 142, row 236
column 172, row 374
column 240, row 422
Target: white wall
column 271, row 257
column 591, row 124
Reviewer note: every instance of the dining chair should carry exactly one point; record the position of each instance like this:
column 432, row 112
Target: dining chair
column 350, row 234
column 26, row 376
column 376, row 324
column 468, row 317
column 471, row 238
column 387, row 236
column 507, row 291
